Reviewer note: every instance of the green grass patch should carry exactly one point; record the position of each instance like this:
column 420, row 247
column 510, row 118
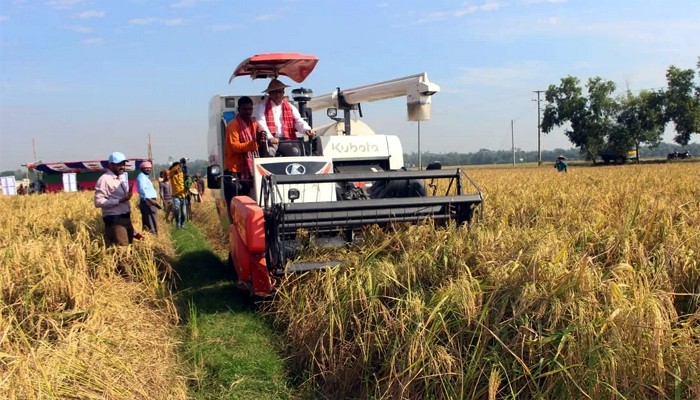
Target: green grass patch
column 232, row 350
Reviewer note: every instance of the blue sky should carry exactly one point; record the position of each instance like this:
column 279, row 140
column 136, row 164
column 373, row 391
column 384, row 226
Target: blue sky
column 83, row 78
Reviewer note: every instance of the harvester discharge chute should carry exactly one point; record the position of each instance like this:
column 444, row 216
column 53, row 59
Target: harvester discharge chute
column 356, row 179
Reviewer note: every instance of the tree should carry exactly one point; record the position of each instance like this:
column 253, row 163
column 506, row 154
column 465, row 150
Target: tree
column 590, row 120
column 683, row 103
column 640, row 121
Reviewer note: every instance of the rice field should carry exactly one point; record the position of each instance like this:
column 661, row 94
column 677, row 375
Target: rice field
column 70, row 326
column 578, row 285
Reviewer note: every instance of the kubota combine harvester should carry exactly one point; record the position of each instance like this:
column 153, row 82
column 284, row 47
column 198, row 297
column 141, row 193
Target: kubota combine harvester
column 358, row 180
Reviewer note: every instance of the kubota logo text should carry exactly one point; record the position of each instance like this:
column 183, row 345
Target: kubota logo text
column 354, row 148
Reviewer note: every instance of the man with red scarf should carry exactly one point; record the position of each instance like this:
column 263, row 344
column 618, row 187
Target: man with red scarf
column 240, row 148
column 278, row 118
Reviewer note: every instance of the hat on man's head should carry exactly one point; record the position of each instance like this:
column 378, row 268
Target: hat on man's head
column 116, row 158
column 561, row 158
column 146, row 164
column 275, row 84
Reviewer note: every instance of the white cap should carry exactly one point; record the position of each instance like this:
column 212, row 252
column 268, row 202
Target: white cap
column 116, row 158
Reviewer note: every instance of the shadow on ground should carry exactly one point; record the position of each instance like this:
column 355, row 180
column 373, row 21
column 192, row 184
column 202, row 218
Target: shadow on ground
column 203, row 279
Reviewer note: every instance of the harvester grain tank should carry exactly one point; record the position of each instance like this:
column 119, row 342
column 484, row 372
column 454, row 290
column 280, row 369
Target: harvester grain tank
column 356, row 177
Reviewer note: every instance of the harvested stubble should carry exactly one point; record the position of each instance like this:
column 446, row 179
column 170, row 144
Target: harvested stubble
column 578, row 285
column 69, row 326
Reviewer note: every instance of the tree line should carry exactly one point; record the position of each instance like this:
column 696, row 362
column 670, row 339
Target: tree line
column 485, row 156
column 597, row 120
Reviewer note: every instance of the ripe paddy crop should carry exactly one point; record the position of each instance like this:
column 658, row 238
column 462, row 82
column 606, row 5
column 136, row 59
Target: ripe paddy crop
column 578, row 285
column 70, row 327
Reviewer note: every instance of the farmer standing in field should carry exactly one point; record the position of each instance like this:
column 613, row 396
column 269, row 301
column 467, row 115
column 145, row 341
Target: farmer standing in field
column 148, row 204
column 166, row 194
column 112, row 195
column 177, row 182
column 560, row 165
column 200, row 185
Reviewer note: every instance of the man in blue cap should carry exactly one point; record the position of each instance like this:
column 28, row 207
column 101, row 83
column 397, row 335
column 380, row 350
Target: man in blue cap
column 112, row 195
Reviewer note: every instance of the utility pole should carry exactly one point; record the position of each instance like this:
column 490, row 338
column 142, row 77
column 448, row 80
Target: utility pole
column 512, row 141
column 150, row 149
column 420, row 159
column 36, row 172
column 539, row 129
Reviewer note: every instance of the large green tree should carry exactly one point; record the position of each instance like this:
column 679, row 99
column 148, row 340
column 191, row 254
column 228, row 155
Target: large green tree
column 640, row 120
column 588, row 121
column 683, row 103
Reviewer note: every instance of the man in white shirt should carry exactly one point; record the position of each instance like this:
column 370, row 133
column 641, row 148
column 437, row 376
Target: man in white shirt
column 112, row 195
column 278, row 118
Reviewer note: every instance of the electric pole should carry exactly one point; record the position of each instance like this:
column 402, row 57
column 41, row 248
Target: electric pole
column 150, row 153
column 420, row 158
column 150, row 149
column 539, row 129
column 512, row 141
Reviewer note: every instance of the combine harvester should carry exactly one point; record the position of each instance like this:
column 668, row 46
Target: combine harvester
column 358, row 180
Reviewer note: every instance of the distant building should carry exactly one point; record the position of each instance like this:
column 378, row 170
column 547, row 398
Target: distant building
column 72, row 176
column 9, row 185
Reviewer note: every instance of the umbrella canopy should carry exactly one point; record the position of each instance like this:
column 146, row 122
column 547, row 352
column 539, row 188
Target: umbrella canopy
column 296, row 66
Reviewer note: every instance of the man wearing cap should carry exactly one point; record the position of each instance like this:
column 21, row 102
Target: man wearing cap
column 112, row 195
column 148, row 204
column 278, row 118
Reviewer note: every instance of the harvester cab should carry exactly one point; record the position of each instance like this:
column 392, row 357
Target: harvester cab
column 347, row 178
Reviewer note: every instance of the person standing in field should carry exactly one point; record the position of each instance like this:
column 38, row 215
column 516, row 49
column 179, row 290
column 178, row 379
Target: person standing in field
column 177, row 182
column 192, row 193
column 560, row 165
column 166, row 195
column 148, row 204
column 279, row 119
column 112, row 195
column 200, row 186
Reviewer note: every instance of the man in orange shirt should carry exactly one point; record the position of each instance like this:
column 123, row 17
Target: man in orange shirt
column 242, row 134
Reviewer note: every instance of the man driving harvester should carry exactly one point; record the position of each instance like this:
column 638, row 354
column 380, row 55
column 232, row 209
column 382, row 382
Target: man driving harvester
column 279, row 119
